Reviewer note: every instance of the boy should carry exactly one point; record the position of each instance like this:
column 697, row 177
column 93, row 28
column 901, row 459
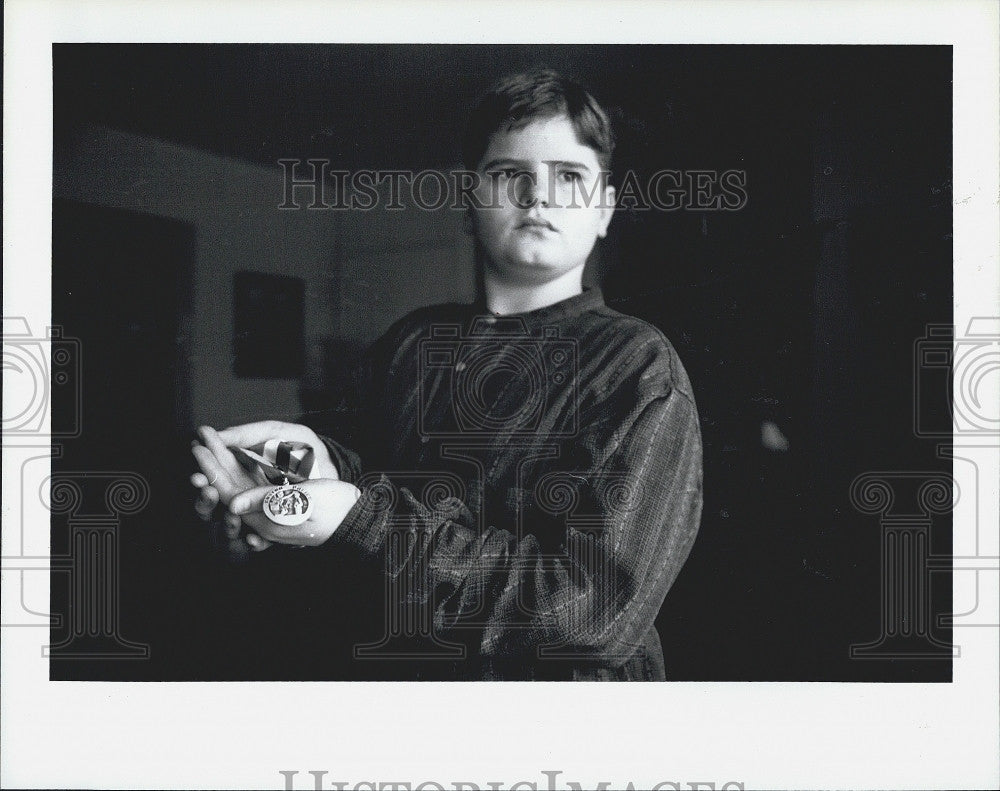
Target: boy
column 564, row 434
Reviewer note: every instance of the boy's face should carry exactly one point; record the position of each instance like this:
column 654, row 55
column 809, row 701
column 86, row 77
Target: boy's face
column 544, row 202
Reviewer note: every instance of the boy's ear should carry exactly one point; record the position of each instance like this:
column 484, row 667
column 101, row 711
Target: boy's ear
column 607, row 211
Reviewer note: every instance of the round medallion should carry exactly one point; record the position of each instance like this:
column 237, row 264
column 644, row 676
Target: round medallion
column 287, row 505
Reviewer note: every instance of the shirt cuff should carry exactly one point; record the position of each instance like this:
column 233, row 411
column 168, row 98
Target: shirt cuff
column 341, row 458
column 365, row 525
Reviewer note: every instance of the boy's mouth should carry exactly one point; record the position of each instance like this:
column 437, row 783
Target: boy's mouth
column 535, row 222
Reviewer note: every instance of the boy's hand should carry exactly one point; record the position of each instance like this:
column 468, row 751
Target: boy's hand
column 329, row 503
column 249, row 434
column 222, row 477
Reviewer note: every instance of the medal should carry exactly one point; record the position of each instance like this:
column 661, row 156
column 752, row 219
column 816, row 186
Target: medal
column 287, row 504
column 277, row 461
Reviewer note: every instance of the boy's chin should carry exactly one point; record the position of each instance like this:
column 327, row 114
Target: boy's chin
column 535, row 271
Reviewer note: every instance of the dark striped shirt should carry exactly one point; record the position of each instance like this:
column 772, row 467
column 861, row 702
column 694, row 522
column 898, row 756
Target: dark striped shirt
column 531, row 486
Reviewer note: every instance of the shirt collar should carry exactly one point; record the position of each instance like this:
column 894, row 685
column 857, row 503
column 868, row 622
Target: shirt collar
column 591, row 297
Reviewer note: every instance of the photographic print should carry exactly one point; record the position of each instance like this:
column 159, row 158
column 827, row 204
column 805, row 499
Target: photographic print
column 360, row 368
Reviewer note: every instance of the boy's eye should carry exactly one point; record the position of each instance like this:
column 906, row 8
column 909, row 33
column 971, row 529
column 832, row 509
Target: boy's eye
column 507, row 173
column 569, row 176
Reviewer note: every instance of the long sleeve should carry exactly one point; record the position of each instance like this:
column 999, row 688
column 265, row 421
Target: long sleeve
column 626, row 525
column 349, row 426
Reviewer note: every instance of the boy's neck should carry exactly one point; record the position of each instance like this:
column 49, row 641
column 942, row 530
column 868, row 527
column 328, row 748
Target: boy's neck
column 505, row 298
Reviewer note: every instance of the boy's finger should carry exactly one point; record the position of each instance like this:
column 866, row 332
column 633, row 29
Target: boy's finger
column 249, row 501
column 233, row 525
column 224, row 456
column 249, row 434
column 214, row 473
column 206, row 502
column 257, row 544
column 210, row 496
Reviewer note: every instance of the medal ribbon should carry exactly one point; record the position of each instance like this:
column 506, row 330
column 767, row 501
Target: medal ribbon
column 276, row 460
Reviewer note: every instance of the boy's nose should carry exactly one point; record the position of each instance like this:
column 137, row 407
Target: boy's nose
column 535, row 188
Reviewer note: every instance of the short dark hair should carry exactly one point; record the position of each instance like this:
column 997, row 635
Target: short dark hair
column 520, row 99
